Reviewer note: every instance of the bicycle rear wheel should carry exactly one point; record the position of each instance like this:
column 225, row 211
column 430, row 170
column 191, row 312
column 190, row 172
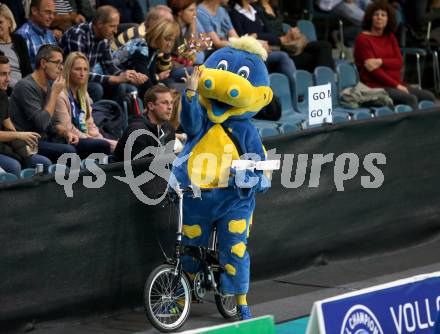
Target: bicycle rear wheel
column 167, row 299
column 226, row 305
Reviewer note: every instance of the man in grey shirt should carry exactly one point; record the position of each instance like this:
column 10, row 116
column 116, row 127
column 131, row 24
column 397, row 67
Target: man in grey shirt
column 33, row 100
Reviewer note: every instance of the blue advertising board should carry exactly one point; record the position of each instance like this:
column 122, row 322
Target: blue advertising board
column 406, row 306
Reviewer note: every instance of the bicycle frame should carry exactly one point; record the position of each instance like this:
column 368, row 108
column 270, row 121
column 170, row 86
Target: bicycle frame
column 169, row 289
column 207, row 256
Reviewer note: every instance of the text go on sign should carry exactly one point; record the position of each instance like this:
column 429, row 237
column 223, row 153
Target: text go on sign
column 320, row 104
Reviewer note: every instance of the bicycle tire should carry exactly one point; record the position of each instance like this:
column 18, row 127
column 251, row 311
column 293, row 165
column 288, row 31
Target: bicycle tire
column 166, row 307
column 226, row 305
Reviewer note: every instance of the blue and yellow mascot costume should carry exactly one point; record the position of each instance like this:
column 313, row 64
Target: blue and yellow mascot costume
column 233, row 85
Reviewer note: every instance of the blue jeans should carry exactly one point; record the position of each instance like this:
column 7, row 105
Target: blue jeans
column 87, row 146
column 54, row 150
column 13, row 166
column 279, row 61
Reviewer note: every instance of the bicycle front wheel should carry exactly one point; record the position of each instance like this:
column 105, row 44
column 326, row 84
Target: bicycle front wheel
column 226, row 305
column 167, row 298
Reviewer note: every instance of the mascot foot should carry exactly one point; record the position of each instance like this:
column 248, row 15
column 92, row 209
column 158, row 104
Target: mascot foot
column 244, row 312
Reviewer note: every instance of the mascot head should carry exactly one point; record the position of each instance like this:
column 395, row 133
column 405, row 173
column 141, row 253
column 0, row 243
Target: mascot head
column 235, row 82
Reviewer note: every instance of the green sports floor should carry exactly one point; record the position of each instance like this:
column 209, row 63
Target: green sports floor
column 297, row 326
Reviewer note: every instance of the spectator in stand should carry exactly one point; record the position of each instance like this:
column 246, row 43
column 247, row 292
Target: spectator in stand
column 36, row 31
column 185, row 14
column 17, row 8
column 350, row 10
column 93, row 40
column 130, row 10
column 158, row 103
column 181, row 137
column 306, row 55
column 154, row 14
column 378, row 57
column 73, row 119
column 65, row 17
column 9, row 160
column 141, row 53
column 83, row 7
column 14, row 47
column 33, row 100
column 217, row 24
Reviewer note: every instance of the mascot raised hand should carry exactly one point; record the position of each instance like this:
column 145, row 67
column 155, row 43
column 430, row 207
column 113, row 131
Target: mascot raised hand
column 220, row 98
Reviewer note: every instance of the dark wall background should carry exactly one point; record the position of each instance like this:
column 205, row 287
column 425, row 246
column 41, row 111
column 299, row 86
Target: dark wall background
column 94, row 251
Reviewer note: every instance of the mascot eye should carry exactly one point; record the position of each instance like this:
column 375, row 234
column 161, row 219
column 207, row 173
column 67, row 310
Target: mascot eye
column 223, row 65
column 243, row 72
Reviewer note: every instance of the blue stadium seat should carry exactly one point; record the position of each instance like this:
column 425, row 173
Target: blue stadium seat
column 348, row 75
column 289, row 117
column 289, row 128
column 308, row 29
column 58, row 169
column 402, row 108
column 280, row 86
column 382, row 111
column 340, row 117
column 7, row 177
column 363, row 115
column 266, row 124
column 27, row 172
column 426, row 104
column 303, row 80
column 267, row 132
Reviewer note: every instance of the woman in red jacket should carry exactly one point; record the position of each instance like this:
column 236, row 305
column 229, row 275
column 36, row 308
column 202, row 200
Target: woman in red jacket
column 378, row 57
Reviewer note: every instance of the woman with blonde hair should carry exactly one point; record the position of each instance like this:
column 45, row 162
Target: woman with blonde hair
column 13, row 46
column 141, row 54
column 73, row 119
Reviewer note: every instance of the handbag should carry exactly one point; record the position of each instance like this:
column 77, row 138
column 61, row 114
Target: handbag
column 17, row 149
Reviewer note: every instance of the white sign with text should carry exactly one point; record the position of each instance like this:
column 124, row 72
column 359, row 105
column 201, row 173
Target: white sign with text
column 320, row 104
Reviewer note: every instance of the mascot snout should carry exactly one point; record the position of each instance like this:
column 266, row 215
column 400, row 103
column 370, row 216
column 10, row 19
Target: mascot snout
column 233, row 89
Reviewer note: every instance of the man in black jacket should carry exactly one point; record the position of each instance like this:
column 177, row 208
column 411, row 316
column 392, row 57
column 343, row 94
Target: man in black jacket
column 158, row 103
